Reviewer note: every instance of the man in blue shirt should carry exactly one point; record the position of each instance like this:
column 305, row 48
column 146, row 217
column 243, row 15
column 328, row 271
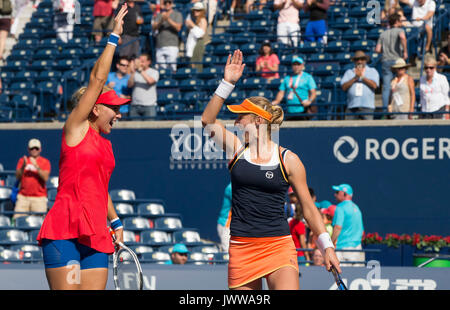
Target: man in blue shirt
column 347, row 226
column 119, row 81
column 300, row 90
column 360, row 84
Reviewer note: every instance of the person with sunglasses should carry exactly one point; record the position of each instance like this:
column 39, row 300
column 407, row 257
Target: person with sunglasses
column 179, row 255
column 434, row 90
column 75, row 237
column 118, row 81
column 32, row 172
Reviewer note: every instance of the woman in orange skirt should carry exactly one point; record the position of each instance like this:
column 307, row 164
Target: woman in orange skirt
column 261, row 245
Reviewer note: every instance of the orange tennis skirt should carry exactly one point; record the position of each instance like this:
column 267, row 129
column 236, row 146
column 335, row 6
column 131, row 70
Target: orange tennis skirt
column 254, row 258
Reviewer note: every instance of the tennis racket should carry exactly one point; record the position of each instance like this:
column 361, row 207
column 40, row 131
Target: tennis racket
column 337, row 277
column 127, row 271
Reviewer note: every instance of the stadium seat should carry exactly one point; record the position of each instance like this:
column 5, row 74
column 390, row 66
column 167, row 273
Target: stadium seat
column 167, row 83
column 5, row 192
column 327, row 69
column 343, row 58
column 262, row 93
column 29, row 222
column 67, row 64
column 191, row 85
column 46, row 54
column 52, row 182
column 310, row 47
column 20, row 54
column 197, row 258
column 48, row 75
column 363, row 45
column 122, row 194
column 168, row 98
column 249, row 49
column 15, row 65
column 239, row 26
column 26, row 76
column 168, row 223
column 91, row 52
column 337, row 47
column 189, row 237
column 51, row 43
column 334, row 35
column 5, row 222
column 25, row 106
column 225, row 49
column 49, row 97
column 208, row 250
column 262, row 26
column 21, row 87
column 7, row 255
column 141, row 249
column 150, row 209
column 209, row 73
column 72, row 53
column 155, row 238
column 184, row 73
column 354, row 34
column 129, row 237
column 155, row 257
column 13, row 236
column 137, row 224
column 374, row 34
column 343, row 23
column 124, row 209
column 221, row 258
column 253, row 83
column 243, row 39
column 51, row 193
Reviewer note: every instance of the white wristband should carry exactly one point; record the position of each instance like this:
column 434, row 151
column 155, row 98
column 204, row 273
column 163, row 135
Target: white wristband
column 323, row 242
column 224, row 89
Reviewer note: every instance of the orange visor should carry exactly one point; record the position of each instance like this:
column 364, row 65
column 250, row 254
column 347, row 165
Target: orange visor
column 249, row 107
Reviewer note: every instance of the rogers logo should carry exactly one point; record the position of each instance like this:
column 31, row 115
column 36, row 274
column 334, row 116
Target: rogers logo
column 350, row 157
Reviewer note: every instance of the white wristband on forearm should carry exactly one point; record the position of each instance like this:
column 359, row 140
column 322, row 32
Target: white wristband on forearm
column 224, row 89
column 324, row 241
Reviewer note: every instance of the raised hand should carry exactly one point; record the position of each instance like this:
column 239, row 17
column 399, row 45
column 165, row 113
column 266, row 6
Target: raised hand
column 118, row 20
column 234, row 67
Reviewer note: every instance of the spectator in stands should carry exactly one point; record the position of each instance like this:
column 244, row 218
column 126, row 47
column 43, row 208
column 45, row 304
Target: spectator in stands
column 195, row 44
column 390, row 7
column 434, row 90
column 392, row 45
column 64, row 19
column 444, row 56
column 347, row 226
column 210, row 6
column 422, row 13
column 179, row 255
column 403, row 94
column 403, row 19
column 317, row 258
column 167, row 24
column 32, row 172
column 7, row 15
column 130, row 42
column 143, row 82
column 298, row 233
column 316, row 28
column 223, row 222
column 300, row 89
column 118, row 81
column 103, row 18
column 328, row 214
column 290, row 205
column 288, row 27
column 251, row 6
column 267, row 62
column 360, row 84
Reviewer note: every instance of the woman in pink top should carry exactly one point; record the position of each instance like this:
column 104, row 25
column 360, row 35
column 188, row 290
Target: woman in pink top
column 74, row 237
column 267, row 62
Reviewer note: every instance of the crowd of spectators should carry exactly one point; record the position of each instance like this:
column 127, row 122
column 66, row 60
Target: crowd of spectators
column 343, row 221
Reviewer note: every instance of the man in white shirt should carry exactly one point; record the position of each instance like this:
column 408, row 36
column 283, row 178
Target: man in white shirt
column 434, row 90
column 423, row 12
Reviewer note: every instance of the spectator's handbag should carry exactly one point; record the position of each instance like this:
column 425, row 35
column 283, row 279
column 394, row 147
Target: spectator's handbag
column 5, row 7
column 15, row 191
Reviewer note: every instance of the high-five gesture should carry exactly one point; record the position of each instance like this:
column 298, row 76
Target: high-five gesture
column 234, row 67
column 118, row 20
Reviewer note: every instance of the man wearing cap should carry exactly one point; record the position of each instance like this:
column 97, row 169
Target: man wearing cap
column 393, row 45
column 300, row 90
column 167, row 25
column 347, row 226
column 32, row 172
column 434, row 90
column 360, row 84
column 179, row 255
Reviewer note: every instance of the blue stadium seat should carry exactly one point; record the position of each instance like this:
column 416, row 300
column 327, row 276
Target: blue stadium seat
column 51, row 43
column 243, row 38
column 5, row 222
column 67, row 64
column 374, row 34
column 26, row 76
column 41, row 65
column 48, row 75
column 335, row 12
column 343, row 58
column 168, row 223
column 184, row 73
column 13, row 236
column 151, row 209
column 15, row 65
column 337, row 47
column 327, row 70
column 262, row 26
column 249, row 49
column 167, row 83
column 225, row 49
column 137, row 224
column 218, row 39
column 155, row 238
column 130, row 238
column 322, row 57
column 46, row 54
column 197, row 258
column 49, row 97
column 363, row 45
column 343, row 23
column 25, row 106
column 209, row 73
column 29, row 222
column 238, row 26
column 71, row 53
column 190, row 237
column 253, row 83
column 7, row 256
column 27, row 44
column 20, row 87
column 358, row 12
column 122, row 195
column 169, row 98
column 124, row 209
column 141, row 249
column 354, row 34
column 221, row 258
column 310, row 47
column 236, row 97
column 7, row 77
column 191, row 84
column 21, row 54
column 156, row 257
column 82, row 43
column 209, row 61
column 261, row 93
column 334, row 35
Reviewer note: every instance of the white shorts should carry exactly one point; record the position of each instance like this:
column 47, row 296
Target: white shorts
column 351, row 257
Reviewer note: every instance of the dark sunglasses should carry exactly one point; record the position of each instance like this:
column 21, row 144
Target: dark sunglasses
column 182, row 254
column 123, row 65
column 360, row 58
column 34, row 148
column 167, row 2
column 426, row 68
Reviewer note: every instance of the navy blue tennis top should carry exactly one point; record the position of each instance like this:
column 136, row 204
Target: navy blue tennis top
column 258, row 196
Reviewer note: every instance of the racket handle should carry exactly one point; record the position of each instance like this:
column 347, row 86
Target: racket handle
column 113, row 234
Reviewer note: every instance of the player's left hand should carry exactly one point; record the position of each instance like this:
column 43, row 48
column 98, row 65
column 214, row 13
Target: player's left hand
column 331, row 260
column 119, row 236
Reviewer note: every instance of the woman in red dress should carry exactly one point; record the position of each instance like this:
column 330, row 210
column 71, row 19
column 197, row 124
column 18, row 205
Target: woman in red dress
column 74, row 237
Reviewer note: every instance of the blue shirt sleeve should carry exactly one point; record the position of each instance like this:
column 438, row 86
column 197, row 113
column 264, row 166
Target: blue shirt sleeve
column 348, row 75
column 284, row 84
column 338, row 218
column 311, row 83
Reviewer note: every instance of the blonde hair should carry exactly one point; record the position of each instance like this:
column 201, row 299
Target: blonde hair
column 76, row 96
column 274, row 109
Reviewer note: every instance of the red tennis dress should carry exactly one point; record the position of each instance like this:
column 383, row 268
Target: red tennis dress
column 81, row 204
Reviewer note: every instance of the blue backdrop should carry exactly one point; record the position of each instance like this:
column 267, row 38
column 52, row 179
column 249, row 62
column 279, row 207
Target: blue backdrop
column 400, row 174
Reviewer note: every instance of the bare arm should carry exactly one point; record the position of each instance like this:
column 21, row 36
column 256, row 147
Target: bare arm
column 297, row 178
column 229, row 141
column 336, row 232
column 349, row 84
column 77, row 122
column 404, row 44
column 412, row 94
column 279, row 97
column 112, row 214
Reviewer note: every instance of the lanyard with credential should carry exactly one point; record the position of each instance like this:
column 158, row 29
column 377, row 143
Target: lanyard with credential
column 296, row 85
